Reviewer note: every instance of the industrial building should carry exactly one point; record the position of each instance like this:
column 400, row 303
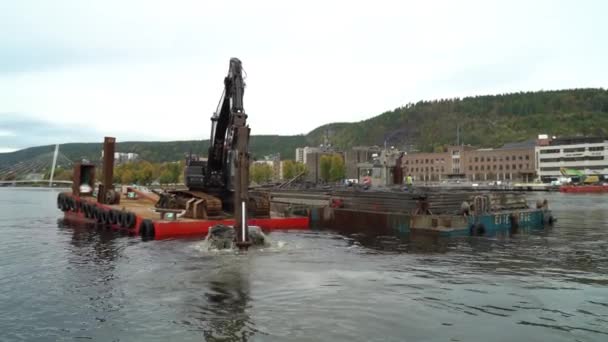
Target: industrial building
column 585, row 154
column 509, row 163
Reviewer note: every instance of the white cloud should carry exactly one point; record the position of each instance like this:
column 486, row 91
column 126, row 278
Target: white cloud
column 154, row 70
column 6, row 133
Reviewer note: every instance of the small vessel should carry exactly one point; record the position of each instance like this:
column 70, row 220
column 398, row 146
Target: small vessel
column 584, row 189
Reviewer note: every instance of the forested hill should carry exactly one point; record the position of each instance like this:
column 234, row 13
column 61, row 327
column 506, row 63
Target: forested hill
column 485, row 121
column 160, row 151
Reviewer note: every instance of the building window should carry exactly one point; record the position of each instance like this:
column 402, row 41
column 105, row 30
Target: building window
column 500, row 167
column 482, row 159
column 476, row 168
column 406, row 162
column 481, row 167
column 494, row 166
column 596, row 148
column 431, row 169
column 521, row 158
column 575, row 149
column 514, row 167
column 507, row 166
column 426, row 161
column 494, row 159
column 476, row 159
column 527, row 157
column 513, row 158
column 507, row 158
column 470, row 168
column 521, row 166
column 442, row 169
column 549, row 151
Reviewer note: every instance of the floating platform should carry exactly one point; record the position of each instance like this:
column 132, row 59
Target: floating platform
column 584, row 189
column 138, row 217
column 486, row 224
column 426, row 212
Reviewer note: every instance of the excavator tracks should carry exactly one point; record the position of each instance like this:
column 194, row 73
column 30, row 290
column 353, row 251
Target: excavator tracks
column 259, row 204
column 201, row 205
column 207, row 206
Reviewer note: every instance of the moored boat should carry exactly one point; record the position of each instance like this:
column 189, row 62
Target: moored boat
column 591, row 188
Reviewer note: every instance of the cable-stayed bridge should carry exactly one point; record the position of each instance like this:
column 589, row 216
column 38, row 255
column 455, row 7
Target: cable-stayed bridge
column 40, row 169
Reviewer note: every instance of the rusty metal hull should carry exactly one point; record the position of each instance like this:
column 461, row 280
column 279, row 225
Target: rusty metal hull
column 489, row 224
column 350, row 221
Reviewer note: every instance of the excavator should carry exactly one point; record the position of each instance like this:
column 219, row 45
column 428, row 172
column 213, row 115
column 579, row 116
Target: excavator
column 220, row 184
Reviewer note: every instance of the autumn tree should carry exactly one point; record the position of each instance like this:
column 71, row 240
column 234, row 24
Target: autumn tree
column 260, row 173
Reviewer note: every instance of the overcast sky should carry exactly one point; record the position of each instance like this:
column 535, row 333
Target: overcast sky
column 74, row 71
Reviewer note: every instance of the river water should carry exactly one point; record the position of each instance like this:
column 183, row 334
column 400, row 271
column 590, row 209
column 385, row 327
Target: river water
column 66, row 282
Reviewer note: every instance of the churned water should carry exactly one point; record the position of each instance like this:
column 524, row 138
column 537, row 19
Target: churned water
column 62, row 282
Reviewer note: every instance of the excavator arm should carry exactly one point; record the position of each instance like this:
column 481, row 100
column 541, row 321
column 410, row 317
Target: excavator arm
column 222, row 133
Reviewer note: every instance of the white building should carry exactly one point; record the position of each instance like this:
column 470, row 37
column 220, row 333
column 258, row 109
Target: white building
column 123, row 157
column 588, row 155
column 301, row 153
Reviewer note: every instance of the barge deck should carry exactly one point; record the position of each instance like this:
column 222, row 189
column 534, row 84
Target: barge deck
column 139, row 217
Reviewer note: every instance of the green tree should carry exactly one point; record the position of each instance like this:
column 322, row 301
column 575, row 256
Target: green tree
column 127, row 176
column 144, row 172
column 299, row 168
column 170, row 173
column 325, row 167
column 289, row 169
column 292, row 168
column 337, row 169
column 260, row 173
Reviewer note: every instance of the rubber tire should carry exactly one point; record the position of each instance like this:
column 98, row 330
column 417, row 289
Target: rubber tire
column 93, row 212
column 106, row 218
column 65, row 204
column 478, row 229
column 129, row 220
column 114, row 217
column 146, row 230
column 514, row 223
column 60, row 198
column 85, row 209
column 68, row 203
column 121, row 219
column 99, row 215
column 89, row 210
